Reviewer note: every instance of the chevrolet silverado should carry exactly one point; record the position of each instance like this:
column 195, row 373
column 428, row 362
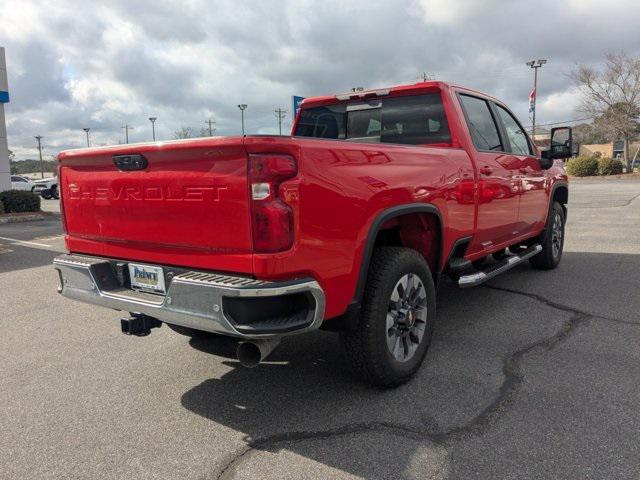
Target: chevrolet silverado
column 348, row 224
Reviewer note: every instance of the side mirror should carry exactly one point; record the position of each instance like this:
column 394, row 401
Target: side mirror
column 561, row 143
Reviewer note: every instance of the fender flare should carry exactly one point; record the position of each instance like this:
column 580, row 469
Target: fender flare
column 556, row 185
column 376, row 225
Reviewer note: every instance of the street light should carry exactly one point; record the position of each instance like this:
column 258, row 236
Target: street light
column 153, row 126
column 242, row 107
column 86, row 130
column 535, row 64
column 39, row 139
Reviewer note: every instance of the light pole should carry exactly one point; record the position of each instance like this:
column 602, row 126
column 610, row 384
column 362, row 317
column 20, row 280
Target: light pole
column 86, row 130
column 39, row 139
column 153, row 127
column 535, row 64
column 242, row 108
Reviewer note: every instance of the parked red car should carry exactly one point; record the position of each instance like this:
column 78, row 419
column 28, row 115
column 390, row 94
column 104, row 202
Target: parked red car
column 348, row 224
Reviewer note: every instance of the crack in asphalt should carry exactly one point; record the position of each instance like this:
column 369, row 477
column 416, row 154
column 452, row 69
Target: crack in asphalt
column 560, row 306
column 513, row 379
column 271, row 441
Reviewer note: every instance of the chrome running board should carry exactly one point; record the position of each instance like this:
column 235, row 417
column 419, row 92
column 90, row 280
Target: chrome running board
column 476, row 278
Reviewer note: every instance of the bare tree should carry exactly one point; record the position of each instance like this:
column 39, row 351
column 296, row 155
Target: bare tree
column 184, row 132
column 612, row 97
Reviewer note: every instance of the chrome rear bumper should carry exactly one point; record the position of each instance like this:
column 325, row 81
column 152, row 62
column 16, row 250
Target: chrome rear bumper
column 211, row 302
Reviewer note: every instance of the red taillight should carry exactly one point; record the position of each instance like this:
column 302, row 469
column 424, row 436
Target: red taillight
column 271, row 218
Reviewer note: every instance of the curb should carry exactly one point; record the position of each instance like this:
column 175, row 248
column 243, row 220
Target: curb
column 31, row 217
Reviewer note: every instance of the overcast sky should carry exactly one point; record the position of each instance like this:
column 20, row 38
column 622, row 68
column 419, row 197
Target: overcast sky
column 75, row 64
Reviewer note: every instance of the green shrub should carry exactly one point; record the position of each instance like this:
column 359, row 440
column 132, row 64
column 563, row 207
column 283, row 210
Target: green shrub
column 582, row 166
column 20, row 201
column 609, row 166
column 1, row 208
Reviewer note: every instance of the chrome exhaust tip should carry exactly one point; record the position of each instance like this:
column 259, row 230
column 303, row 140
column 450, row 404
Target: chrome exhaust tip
column 250, row 354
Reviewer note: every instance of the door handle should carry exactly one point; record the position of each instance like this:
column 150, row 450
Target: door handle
column 486, row 170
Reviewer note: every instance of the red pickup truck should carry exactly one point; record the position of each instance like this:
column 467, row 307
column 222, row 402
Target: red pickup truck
column 348, row 224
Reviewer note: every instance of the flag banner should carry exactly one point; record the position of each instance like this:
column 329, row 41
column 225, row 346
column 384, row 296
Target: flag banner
column 532, row 101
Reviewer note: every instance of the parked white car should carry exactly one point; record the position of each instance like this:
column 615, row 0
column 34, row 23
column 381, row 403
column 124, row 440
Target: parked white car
column 21, row 183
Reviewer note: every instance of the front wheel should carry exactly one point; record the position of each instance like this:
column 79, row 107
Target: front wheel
column 46, row 194
column 553, row 240
column 394, row 330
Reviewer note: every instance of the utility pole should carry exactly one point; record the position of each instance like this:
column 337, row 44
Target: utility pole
column 153, row 127
column 280, row 113
column 39, row 139
column 211, row 124
column 242, row 108
column 86, row 130
column 126, row 132
column 535, row 64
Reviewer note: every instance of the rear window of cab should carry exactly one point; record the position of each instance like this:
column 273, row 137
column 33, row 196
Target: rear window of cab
column 410, row 120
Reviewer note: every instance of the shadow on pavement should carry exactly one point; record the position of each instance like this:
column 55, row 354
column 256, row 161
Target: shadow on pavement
column 302, row 400
column 22, row 257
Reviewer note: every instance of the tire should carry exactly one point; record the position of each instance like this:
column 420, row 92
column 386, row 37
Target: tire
column 389, row 343
column 552, row 240
column 46, row 194
column 54, row 193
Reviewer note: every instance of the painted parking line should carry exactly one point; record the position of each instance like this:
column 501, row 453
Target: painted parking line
column 15, row 241
column 51, row 238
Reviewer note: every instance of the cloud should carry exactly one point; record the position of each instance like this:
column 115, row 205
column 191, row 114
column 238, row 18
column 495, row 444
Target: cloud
column 105, row 64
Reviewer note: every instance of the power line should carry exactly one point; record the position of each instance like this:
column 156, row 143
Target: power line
column 280, row 113
column 559, row 123
column 39, row 139
column 126, row 127
column 211, row 124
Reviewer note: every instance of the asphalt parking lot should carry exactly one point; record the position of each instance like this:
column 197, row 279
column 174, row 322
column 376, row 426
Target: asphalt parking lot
column 533, row 376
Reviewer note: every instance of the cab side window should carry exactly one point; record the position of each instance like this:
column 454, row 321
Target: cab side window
column 482, row 126
column 515, row 134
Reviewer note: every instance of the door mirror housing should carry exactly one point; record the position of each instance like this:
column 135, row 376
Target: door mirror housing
column 561, row 144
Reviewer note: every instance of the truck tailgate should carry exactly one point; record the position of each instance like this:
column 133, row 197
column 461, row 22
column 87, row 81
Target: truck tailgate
column 188, row 206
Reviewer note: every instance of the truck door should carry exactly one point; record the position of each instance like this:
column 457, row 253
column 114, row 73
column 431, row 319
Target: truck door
column 498, row 177
column 533, row 200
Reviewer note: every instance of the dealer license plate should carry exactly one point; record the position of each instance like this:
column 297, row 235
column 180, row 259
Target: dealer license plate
column 147, row 277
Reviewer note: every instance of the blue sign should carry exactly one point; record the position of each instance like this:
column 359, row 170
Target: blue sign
column 296, row 103
column 4, row 97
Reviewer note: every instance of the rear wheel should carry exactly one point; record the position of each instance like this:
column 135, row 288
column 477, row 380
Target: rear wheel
column 46, row 194
column 553, row 241
column 395, row 327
